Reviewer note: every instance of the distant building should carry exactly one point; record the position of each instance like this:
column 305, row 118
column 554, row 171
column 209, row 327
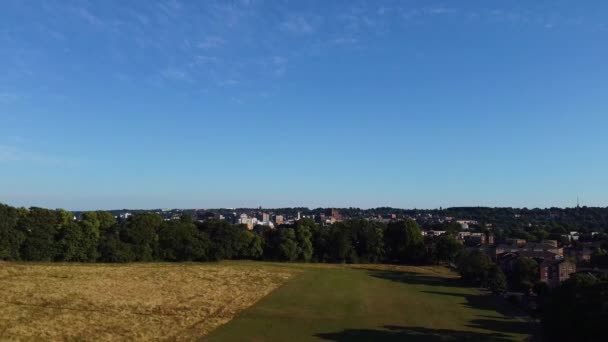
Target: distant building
column 265, row 217
column 464, row 224
column 580, row 253
column 573, row 236
column 527, row 248
column 553, row 272
column 516, row 242
column 507, row 260
column 278, row 219
column 335, row 214
column 475, row 239
column 550, row 242
column 250, row 222
column 433, row 232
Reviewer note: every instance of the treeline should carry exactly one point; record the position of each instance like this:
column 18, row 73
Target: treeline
column 552, row 220
column 38, row 234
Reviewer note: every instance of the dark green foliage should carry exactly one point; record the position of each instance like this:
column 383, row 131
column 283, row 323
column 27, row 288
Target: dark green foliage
column 446, row 249
column 11, row 238
column 78, row 242
column 599, row 258
column 404, row 242
column 103, row 219
column 341, row 244
column 288, row 245
column 227, row 241
column 141, row 233
column 496, row 280
column 474, row 267
column 577, row 310
column 40, row 227
column 182, row 241
column 255, row 247
column 303, row 238
column 367, row 240
column 281, row 244
column 525, row 274
column 113, row 249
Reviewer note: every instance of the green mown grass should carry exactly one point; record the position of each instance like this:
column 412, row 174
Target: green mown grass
column 342, row 303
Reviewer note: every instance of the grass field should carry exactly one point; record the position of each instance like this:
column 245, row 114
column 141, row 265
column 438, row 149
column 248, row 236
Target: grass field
column 126, row 302
column 374, row 303
column 188, row 301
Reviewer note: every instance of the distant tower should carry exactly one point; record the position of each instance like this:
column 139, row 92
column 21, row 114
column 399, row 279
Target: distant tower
column 577, row 202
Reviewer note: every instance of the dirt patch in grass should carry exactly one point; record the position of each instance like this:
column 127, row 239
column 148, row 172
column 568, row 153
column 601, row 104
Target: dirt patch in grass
column 127, row 302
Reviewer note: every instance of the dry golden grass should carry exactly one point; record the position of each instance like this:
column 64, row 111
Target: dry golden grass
column 127, row 302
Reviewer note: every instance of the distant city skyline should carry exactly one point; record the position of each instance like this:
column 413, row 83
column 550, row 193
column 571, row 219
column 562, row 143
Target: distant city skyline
column 206, row 104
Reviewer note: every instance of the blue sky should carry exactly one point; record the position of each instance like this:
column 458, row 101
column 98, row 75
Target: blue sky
column 416, row 104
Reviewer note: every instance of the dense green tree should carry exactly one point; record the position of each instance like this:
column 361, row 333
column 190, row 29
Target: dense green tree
column 577, row 310
column 367, row 240
column 255, row 247
column 525, row 274
column 102, row 219
column 474, row 267
column 341, row 244
column 496, row 280
column 113, row 249
column 227, row 241
column 141, row 233
column 304, row 239
column 446, row 248
column 40, row 227
column 404, row 242
column 182, row 241
column 281, row 244
column 599, row 258
column 288, row 245
column 321, row 241
column 78, row 241
column 11, row 238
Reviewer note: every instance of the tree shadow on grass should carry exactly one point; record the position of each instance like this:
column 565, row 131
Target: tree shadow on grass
column 477, row 301
column 398, row 333
column 484, row 302
column 416, row 278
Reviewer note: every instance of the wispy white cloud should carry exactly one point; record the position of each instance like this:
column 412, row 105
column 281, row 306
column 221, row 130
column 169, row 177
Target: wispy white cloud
column 217, row 44
column 301, row 24
column 344, row 40
column 85, row 14
column 228, row 83
column 14, row 154
column 438, row 10
column 204, row 60
column 9, row 97
column 170, row 8
column 211, row 42
column 174, row 74
column 279, row 64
